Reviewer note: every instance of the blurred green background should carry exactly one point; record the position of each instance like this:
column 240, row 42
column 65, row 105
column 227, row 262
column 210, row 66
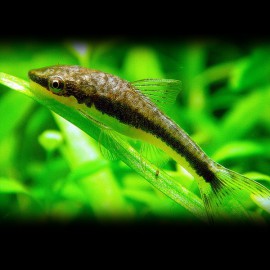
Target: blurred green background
column 53, row 171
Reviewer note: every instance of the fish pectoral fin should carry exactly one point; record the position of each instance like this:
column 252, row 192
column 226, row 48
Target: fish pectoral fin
column 154, row 154
column 163, row 92
column 107, row 147
column 106, row 141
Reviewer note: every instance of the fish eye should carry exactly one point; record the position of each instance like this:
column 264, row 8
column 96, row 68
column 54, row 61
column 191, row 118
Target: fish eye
column 56, row 84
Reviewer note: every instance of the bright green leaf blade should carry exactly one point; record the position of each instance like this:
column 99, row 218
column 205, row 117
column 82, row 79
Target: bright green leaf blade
column 50, row 139
column 159, row 205
column 79, row 146
column 15, row 83
column 87, row 168
column 13, row 110
column 101, row 190
column 11, row 186
column 147, row 67
column 254, row 70
column 250, row 108
column 238, row 149
column 258, row 176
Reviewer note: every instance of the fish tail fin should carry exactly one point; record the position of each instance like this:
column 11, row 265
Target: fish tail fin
column 234, row 197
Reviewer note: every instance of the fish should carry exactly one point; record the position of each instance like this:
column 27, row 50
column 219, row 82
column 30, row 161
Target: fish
column 136, row 110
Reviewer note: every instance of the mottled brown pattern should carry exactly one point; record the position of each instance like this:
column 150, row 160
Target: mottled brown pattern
column 118, row 98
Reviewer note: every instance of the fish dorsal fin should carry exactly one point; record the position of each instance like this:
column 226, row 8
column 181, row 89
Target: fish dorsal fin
column 162, row 92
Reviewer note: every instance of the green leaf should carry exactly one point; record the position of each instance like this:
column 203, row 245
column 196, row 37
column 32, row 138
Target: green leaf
column 50, row 139
column 15, row 83
column 239, row 149
column 244, row 115
column 253, row 71
column 11, row 186
column 87, row 169
column 147, row 67
column 258, row 176
column 90, row 172
column 13, row 107
column 80, row 148
column 156, row 203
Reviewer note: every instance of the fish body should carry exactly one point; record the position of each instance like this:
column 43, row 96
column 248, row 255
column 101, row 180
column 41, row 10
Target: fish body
column 123, row 107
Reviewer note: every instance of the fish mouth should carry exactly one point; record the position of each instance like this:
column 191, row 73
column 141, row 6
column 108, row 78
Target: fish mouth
column 32, row 74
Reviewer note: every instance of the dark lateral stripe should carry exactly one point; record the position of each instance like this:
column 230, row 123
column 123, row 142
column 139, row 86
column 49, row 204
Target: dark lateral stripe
column 124, row 114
